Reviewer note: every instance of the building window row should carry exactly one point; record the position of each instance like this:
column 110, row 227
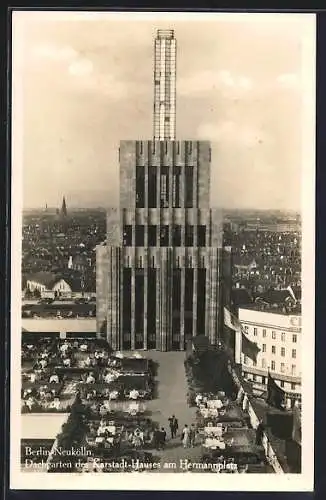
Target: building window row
column 181, row 262
column 272, row 365
column 294, row 352
column 164, row 187
column 164, row 239
column 188, row 145
column 263, row 380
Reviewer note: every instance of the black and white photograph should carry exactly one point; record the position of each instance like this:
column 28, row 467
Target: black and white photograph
column 162, row 251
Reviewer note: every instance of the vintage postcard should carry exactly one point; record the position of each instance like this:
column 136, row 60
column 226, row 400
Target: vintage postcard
column 162, row 309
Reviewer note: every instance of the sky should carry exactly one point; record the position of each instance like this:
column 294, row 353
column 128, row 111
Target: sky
column 85, row 82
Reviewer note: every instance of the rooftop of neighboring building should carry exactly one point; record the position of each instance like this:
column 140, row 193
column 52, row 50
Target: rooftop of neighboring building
column 73, row 278
column 52, row 325
column 294, row 309
column 33, row 425
column 42, row 277
column 240, row 297
column 276, row 301
column 274, row 296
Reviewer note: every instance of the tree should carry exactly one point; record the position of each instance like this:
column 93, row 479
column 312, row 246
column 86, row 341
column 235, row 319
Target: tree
column 37, row 293
column 28, row 293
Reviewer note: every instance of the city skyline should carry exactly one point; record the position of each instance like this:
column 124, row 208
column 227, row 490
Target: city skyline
column 244, row 94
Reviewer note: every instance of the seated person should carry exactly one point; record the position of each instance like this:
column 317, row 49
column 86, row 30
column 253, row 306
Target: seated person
column 133, row 394
column 90, row 395
column 49, row 396
column 64, row 347
column 114, row 395
column 30, row 403
column 137, row 355
column 130, row 436
column 133, row 408
column 27, row 393
column 111, row 430
column 101, row 431
column 103, row 410
column 138, row 438
column 214, row 443
column 106, row 393
column 109, row 378
column 90, row 379
column 198, row 399
column 43, row 363
column 32, row 377
column 54, row 379
column 205, row 412
column 148, row 436
column 87, row 361
column 215, row 403
column 107, row 405
column 55, row 404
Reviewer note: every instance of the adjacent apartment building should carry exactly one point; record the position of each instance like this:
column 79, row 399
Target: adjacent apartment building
column 278, row 336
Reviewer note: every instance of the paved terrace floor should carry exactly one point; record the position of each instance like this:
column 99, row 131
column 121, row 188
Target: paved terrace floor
column 171, row 399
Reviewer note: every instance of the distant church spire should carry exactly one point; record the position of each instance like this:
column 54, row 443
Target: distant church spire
column 64, row 208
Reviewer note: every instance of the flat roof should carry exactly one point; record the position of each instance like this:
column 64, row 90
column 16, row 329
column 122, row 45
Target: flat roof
column 42, row 425
column 279, row 309
column 45, row 325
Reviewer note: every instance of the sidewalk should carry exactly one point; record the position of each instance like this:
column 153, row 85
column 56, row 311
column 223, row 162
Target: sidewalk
column 172, row 400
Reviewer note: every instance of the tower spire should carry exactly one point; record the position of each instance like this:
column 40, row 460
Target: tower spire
column 64, row 207
column 165, row 86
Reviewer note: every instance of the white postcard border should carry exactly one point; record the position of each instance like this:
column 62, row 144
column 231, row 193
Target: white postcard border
column 167, row 481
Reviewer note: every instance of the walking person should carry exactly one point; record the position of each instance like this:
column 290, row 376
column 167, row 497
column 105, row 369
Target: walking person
column 185, row 436
column 259, row 433
column 174, row 426
column 156, row 439
column 192, row 436
column 162, row 438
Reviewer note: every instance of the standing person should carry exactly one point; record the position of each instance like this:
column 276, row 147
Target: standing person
column 185, row 436
column 156, row 439
column 162, row 437
column 259, row 433
column 192, row 436
column 174, row 425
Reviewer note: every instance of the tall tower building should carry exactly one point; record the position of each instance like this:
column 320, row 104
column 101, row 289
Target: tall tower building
column 163, row 275
column 164, row 86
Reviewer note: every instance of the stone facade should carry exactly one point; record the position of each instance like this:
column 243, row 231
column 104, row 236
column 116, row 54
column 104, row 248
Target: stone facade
column 163, row 275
